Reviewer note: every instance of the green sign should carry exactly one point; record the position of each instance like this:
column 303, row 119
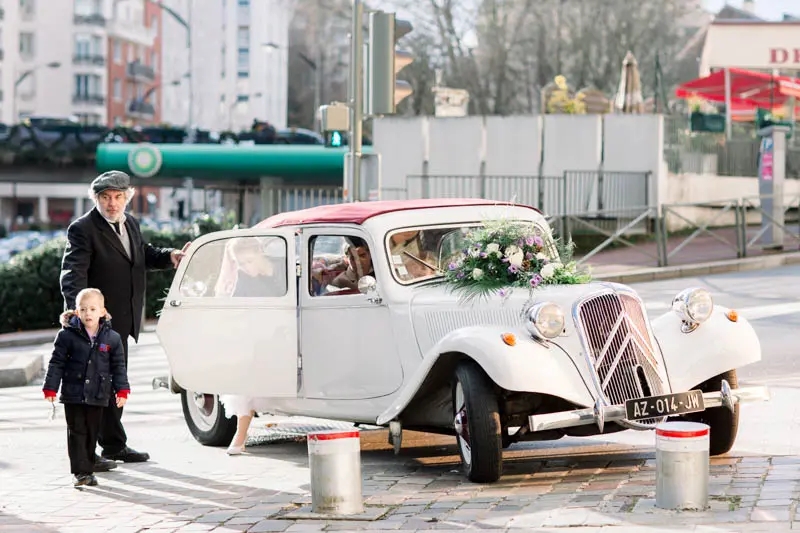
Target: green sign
column 144, row 160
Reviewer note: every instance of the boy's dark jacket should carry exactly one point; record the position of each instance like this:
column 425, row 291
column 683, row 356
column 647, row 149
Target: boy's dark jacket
column 88, row 372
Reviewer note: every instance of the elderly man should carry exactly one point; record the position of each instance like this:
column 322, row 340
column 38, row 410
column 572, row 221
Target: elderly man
column 105, row 251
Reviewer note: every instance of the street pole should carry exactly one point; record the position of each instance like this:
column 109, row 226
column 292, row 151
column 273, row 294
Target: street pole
column 191, row 68
column 356, row 99
column 317, row 65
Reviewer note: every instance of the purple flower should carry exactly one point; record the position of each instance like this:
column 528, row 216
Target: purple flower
column 538, row 241
column 530, row 241
column 477, row 246
column 528, row 256
column 452, row 266
column 513, row 269
column 535, row 281
column 460, row 275
column 521, row 243
column 483, row 255
column 505, row 260
column 502, row 293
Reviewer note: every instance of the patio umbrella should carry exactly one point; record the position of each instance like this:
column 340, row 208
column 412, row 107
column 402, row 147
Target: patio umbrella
column 629, row 96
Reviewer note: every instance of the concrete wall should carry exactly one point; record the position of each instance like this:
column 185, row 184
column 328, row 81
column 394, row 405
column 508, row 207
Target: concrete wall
column 572, row 142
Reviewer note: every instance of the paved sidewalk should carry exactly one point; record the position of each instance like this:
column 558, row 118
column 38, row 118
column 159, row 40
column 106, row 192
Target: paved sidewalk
column 192, row 488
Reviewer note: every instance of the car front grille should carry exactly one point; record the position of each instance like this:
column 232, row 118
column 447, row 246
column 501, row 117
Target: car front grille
column 620, row 352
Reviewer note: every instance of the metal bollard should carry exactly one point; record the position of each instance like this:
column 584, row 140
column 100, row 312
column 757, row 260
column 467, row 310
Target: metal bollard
column 682, row 465
column 334, row 458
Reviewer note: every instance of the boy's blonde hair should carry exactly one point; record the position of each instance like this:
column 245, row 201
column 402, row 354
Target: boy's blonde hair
column 85, row 293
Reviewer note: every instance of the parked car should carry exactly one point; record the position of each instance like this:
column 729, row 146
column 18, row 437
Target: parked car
column 403, row 350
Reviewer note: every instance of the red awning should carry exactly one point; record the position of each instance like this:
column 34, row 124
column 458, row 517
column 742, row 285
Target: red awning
column 749, row 89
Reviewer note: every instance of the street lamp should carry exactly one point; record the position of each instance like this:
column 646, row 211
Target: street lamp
column 235, row 103
column 24, row 76
column 317, row 76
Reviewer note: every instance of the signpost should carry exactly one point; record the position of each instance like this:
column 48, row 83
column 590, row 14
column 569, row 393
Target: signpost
column 771, row 176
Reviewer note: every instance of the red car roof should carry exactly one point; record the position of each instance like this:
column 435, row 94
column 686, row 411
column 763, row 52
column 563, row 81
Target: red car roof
column 358, row 212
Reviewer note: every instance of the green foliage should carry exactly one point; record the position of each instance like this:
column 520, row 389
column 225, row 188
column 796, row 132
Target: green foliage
column 507, row 254
column 29, row 283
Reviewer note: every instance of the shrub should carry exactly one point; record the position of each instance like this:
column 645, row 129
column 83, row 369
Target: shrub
column 30, row 290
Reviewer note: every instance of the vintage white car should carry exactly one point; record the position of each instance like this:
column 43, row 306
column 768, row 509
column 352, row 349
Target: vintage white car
column 276, row 312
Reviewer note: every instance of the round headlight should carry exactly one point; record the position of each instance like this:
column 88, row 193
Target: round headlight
column 693, row 306
column 545, row 320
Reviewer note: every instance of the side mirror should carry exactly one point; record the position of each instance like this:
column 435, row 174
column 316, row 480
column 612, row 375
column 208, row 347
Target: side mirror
column 368, row 286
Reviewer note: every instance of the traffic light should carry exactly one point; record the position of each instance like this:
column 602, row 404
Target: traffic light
column 385, row 91
column 333, row 139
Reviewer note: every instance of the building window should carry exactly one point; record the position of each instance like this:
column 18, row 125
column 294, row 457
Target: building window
column 244, row 2
column 117, row 89
column 117, row 52
column 243, row 37
column 154, row 21
column 154, row 61
column 243, row 61
column 97, row 46
column 81, row 85
column 26, row 45
column 88, row 7
column 27, row 8
column 82, row 45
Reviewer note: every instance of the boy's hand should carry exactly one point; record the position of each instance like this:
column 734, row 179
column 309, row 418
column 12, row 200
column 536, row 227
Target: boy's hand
column 121, row 401
column 50, row 399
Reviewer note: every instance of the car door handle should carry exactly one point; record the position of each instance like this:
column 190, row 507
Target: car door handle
column 175, row 303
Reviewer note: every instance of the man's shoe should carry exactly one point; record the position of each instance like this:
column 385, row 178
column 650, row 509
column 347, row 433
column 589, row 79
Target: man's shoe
column 101, row 464
column 82, row 479
column 92, row 481
column 128, row 455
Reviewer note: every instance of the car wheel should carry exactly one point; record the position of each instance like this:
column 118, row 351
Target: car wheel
column 205, row 417
column 477, row 424
column 723, row 422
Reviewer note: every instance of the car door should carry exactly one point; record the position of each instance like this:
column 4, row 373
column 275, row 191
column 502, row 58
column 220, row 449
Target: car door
column 347, row 348
column 229, row 323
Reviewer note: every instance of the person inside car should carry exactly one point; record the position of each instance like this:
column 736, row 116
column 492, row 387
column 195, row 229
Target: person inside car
column 360, row 265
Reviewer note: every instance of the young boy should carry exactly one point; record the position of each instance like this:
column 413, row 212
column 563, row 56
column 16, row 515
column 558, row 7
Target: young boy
column 88, row 363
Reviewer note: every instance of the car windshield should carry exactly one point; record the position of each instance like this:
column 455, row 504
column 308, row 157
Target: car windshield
column 417, row 254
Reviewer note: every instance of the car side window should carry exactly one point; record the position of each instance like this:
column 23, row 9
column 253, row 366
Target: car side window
column 337, row 263
column 239, row 267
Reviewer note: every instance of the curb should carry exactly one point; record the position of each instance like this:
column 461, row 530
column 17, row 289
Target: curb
column 702, row 269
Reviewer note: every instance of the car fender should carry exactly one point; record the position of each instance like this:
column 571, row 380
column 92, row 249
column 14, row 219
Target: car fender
column 527, row 366
column 716, row 346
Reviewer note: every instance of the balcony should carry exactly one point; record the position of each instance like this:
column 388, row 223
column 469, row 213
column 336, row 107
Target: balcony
column 141, row 72
column 95, row 19
column 132, row 32
column 97, row 60
column 140, row 109
column 89, row 99
column 2, row 14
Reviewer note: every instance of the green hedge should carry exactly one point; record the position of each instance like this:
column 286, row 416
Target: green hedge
column 31, row 295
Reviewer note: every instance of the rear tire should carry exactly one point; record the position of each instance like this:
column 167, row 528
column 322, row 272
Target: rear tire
column 477, row 424
column 205, row 417
column 723, row 422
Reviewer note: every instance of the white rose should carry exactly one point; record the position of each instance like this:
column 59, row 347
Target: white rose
column 548, row 271
column 477, row 274
column 513, row 250
column 541, row 257
column 517, row 259
column 492, row 248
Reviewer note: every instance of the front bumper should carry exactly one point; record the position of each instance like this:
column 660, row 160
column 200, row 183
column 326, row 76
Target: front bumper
column 600, row 414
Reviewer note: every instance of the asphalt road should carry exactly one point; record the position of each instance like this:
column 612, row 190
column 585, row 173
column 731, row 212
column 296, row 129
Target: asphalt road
column 770, row 299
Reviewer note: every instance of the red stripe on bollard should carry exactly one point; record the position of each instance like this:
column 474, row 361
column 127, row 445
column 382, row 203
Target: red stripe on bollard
column 333, row 436
column 681, row 434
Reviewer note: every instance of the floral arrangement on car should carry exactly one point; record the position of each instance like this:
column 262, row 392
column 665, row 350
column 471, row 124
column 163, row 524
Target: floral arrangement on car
column 505, row 255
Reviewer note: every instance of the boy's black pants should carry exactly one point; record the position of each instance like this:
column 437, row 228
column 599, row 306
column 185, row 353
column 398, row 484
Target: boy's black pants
column 83, row 424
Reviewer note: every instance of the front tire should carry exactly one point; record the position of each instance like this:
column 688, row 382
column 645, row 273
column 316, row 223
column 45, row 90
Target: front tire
column 723, row 422
column 477, row 424
column 205, row 417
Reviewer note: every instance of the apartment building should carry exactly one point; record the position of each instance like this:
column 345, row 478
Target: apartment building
column 238, row 63
column 9, row 43
column 94, row 60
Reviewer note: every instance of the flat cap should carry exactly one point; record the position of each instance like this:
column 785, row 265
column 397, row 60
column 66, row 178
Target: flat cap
column 111, row 180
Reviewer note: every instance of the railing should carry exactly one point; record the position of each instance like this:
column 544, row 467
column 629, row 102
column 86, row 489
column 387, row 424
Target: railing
column 89, row 59
column 294, row 198
column 764, row 205
column 95, row 99
column 95, row 19
column 138, row 70
column 139, row 108
column 572, row 192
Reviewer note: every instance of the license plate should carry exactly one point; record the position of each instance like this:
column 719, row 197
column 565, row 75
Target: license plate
column 666, row 405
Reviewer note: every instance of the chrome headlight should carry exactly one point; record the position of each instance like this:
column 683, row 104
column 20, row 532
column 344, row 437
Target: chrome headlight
column 693, row 306
column 545, row 320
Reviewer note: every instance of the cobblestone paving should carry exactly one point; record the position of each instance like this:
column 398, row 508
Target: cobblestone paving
column 188, row 487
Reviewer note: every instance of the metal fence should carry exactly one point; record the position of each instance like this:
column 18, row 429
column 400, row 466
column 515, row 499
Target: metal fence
column 294, row 198
column 571, row 193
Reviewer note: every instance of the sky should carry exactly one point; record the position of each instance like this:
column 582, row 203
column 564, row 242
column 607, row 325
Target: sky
column 768, row 9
